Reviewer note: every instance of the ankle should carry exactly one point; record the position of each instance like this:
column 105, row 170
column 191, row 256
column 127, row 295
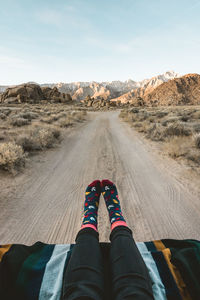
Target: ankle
column 89, row 226
column 118, row 223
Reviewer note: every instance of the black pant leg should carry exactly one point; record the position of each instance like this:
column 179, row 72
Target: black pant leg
column 83, row 278
column 130, row 278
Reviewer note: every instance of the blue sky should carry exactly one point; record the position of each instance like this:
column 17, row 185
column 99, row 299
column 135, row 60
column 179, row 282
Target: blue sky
column 100, row 40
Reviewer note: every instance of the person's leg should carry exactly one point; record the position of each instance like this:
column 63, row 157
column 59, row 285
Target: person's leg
column 130, row 278
column 83, row 278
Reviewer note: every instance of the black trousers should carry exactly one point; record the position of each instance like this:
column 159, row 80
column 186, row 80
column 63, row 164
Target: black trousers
column 84, row 277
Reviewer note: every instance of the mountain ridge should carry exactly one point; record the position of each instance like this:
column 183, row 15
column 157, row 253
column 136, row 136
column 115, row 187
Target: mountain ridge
column 108, row 90
column 184, row 90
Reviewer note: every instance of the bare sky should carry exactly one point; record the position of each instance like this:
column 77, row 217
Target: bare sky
column 85, row 40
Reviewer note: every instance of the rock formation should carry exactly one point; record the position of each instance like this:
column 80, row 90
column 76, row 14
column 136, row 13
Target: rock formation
column 115, row 90
column 33, row 93
column 99, row 103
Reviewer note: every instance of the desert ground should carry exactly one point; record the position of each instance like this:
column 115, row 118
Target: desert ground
column 45, row 201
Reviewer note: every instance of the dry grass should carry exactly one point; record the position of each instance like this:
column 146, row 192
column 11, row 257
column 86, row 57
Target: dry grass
column 28, row 115
column 71, row 118
column 39, row 138
column 176, row 128
column 177, row 146
column 17, row 121
column 26, row 128
column 11, row 156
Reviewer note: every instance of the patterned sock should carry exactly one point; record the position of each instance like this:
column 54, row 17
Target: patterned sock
column 110, row 194
column 92, row 195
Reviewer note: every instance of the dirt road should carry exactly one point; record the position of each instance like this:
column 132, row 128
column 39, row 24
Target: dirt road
column 46, row 202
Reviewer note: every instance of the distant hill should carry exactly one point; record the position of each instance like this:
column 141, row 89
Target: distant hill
column 179, row 91
column 114, row 90
column 105, row 90
column 166, row 89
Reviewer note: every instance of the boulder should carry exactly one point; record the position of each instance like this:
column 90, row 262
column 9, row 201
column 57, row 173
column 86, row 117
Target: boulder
column 89, row 103
column 22, row 93
column 33, row 93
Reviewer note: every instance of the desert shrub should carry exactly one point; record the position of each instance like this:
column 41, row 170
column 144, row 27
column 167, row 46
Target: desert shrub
column 197, row 140
column 44, row 137
column 11, row 156
column 196, row 115
column 47, row 120
column 196, row 127
column 39, row 138
column 177, row 146
column 66, row 122
column 19, row 121
column 56, row 132
column 155, row 132
column 182, row 146
column 27, row 142
column 193, row 156
column 2, row 116
column 130, row 117
column 176, row 129
column 142, row 115
column 54, row 117
column 142, row 126
column 170, row 120
column 138, row 124
column 134, row 110
column 61, row 115
column 78, row 116
column 152, row 119
column 28, row 115
column 123, row 114
column 161, row 114
column 65, row 119
column 2, row 137
column 6, row 111
column 184, row 118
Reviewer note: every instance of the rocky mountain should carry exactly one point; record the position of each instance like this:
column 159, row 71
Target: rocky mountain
column 114, row 90
column 179, row 91
column 146, row 86
column 159, row 90
column 105, row 90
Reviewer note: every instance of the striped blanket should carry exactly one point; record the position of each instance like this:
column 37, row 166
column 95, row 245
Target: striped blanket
column 36, row 272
